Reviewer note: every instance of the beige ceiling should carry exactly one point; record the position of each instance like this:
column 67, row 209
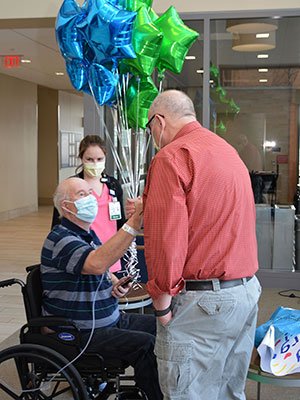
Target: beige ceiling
column 34, row 39
column 37, row 44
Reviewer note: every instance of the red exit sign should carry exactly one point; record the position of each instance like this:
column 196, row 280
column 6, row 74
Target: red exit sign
column 11, row 61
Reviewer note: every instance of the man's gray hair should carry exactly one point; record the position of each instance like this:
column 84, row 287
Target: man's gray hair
column 173, row 103
column 61, row 193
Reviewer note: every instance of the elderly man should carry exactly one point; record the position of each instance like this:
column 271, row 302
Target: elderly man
column 201, row 255
column 74, row 271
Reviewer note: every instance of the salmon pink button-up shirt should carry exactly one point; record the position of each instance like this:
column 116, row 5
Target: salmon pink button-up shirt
column 199, row 213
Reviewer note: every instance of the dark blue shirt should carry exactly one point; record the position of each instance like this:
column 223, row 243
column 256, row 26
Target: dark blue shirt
column 66, row 291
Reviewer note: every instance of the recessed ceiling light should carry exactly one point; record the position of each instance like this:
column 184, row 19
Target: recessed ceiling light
column 263, row 80
column 262, row 35
column 190, row 58
column 263, row 70
column 59, row 73
column 262, row 56
column 24, row 61
column 200, row 71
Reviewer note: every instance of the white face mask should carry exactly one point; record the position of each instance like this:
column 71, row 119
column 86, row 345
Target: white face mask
column 94, row 170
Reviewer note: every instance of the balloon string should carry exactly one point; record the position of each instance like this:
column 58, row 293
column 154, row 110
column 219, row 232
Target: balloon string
column 124, row 132
column 137, row 165
column 117, row 159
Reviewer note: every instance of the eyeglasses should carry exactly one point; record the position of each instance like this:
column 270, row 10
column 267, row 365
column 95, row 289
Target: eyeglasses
column 148, row 129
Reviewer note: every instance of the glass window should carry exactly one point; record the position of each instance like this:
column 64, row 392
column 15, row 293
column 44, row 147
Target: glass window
column 255, row 97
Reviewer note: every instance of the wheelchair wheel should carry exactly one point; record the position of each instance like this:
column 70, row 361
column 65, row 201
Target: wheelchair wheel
column 26, row 371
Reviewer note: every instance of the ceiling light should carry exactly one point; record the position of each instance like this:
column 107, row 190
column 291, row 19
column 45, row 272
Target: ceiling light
column 251, row 25
column 190, row 58
column 59, row 73
column 263, row 80
column 250, row 42
column 200, row 71
column 263, row 70
column 262, row 56
column 24, row 61
column 262, row 35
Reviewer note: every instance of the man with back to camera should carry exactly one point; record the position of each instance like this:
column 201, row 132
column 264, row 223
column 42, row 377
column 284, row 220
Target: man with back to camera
column 201, row 256
column 73, row 263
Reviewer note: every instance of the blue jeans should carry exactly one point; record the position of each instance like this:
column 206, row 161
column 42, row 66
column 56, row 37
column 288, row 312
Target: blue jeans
column 204, row 352
column 131, row 340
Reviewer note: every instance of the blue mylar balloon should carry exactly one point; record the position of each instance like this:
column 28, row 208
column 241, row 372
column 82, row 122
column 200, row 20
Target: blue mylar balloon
column 78, row 74
column 108, row 30
column 102, row 83
column 69, row 38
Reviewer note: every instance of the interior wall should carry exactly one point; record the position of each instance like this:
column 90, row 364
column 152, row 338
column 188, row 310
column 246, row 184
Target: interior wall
column 47, row 144
column 18, row 149
column 70, row 120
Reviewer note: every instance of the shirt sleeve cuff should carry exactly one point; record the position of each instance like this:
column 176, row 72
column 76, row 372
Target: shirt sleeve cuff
column 155, row 291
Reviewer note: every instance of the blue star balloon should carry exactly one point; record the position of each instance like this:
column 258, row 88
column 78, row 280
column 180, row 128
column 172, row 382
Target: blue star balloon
column 78, row 74
column 68, row 37
column 102, row 83
column 108, row 30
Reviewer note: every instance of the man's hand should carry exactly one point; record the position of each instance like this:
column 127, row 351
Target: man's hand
column 118, row 290
column 129, row 207
column 132, row 206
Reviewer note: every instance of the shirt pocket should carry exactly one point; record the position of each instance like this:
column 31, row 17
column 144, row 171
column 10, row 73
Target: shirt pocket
column 174, row 366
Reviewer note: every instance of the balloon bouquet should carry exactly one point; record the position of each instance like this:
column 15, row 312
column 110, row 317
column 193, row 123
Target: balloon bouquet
column 111, row 49
column 219, row 95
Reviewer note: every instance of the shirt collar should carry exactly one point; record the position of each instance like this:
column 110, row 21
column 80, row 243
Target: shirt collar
column 73, row 227
column 189, row 127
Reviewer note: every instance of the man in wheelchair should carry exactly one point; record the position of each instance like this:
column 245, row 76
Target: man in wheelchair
column 77, row 284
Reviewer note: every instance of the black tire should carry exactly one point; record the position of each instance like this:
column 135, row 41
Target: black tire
column 30, row 369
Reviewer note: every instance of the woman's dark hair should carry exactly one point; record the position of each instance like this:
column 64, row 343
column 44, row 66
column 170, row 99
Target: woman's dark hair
column 86, row 142
column 91, row 140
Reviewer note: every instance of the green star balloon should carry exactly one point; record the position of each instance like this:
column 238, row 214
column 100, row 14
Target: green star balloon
column 221, row 92
column 134, row 5
column 152, row 14
column 139, row 97
column 177, row 40
column 214, row 73
column 146, row 41
column 221, row 127
column 234, row 107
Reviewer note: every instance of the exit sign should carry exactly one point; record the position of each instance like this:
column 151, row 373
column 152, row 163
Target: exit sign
column 11, row 61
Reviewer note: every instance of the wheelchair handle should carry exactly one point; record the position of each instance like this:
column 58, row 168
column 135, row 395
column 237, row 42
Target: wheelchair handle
column 10, row 282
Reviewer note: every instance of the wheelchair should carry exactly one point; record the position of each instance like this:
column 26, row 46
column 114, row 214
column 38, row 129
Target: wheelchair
column 39, row 367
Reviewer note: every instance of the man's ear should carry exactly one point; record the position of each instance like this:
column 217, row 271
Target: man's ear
column 64, row 205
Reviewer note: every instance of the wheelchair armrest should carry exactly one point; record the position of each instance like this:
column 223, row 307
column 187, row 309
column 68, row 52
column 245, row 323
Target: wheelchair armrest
column 10, row 282
column 52, row 321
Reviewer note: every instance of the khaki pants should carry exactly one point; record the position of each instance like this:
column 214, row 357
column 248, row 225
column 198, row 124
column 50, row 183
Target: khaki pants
column 204, row 352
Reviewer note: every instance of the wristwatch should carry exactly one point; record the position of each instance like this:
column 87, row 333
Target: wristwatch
column 161, row 313
column 130, row 230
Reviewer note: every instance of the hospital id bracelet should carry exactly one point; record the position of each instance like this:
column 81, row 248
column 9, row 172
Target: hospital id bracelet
column 130, row 230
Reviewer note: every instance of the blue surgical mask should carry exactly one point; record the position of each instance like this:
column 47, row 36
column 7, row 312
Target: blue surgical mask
column 87, row 208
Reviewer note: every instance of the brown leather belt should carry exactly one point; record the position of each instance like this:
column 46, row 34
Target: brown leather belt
column 210, row 285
